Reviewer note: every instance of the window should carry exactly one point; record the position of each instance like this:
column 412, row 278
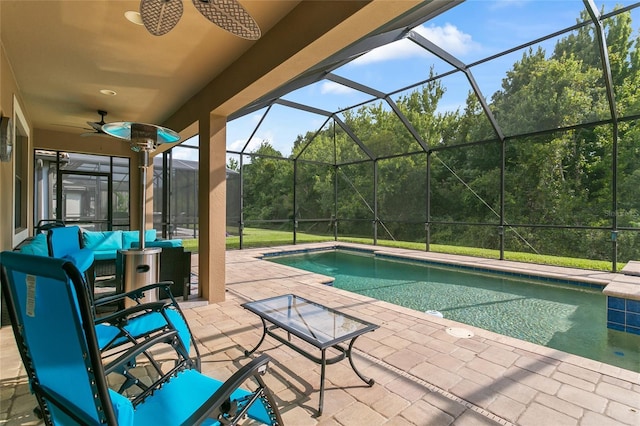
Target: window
column 88, row 190
column 20, row 168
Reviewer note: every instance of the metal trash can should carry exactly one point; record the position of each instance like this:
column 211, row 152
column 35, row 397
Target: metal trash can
column 140, row 267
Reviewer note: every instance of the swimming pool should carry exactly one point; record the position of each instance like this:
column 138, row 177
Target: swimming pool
column 566, row 317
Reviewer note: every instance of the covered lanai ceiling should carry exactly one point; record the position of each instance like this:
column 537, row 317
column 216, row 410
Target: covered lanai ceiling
column 63, row 53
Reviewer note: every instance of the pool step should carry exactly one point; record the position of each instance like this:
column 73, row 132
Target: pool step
column 632, row 268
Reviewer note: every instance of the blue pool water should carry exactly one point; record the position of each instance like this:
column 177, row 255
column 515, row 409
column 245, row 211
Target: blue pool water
column 566, row 317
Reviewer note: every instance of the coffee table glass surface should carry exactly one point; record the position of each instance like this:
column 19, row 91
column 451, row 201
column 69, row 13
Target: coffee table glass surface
column 318, row 325
column 323, row 327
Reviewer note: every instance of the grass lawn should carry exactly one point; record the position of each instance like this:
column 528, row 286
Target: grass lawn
column 256, row 237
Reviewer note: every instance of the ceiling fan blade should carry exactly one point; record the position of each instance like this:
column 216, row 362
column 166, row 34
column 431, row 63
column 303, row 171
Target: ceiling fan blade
column 229, row 15
column 96, row 126
column 100, row 134
column 70, row 125
column 160, row 16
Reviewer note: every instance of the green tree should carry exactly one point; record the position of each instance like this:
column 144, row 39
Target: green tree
column 233, row 164
column 268, row 185
column 552, row 177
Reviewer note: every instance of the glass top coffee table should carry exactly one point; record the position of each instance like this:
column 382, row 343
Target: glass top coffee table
column 314, row 323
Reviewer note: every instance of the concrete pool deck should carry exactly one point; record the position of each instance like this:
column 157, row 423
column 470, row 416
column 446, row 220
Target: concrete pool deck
column 424, row 375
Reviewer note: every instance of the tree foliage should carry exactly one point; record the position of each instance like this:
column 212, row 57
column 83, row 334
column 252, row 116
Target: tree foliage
column 559, row 178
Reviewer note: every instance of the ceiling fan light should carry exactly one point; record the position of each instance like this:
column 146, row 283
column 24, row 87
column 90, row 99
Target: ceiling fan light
column 133, row 17
column 160, row 16
column 138, row 133
column 230, row 16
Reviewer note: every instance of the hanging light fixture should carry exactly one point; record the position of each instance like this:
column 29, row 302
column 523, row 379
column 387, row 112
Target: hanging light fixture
column 160, row 16
column 143, row 138
column 229, row 15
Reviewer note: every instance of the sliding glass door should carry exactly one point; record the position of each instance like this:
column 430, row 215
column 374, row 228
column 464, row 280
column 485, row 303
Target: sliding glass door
column 87, row 190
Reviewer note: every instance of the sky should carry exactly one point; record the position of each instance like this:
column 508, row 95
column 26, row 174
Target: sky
column 474, row 30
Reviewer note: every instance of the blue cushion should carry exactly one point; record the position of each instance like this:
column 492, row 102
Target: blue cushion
column 176, row 400
column 164, row 243
column 122, row 407
column 148, row 322
column 131, row 237
column 184, row 394
column 63, row 240
column 91, row 238
column 82, row 259
column 108, row 240
column 150, row 235
column 105, row 254
column 105, row 334
column 128, row 237
column 37, row 246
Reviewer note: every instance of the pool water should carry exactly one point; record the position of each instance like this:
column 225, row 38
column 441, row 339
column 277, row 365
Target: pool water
column 560, row 316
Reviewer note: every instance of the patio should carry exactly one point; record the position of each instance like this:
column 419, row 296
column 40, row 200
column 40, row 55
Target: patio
column 423, row 375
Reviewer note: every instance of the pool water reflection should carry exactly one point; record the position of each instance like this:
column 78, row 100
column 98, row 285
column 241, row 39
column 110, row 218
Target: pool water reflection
column 560, row 316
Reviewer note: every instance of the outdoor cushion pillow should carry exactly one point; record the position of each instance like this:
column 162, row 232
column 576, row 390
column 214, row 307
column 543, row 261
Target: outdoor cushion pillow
column 37, row 247
column 163, row 243
column 105, row 254
column 82, row 259
column 130, row 237
column 108, row 240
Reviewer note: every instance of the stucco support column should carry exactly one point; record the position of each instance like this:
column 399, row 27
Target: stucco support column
column 212, row 196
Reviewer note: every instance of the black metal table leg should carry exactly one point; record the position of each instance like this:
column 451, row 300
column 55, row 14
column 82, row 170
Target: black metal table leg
column 311, row 322
column 365, row 379
column 264, row 334
column 323, row 366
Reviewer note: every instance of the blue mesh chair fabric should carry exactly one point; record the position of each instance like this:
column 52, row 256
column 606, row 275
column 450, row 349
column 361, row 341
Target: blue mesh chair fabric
column 124, row 327
column 66, row 243
column 142, row 320
column 53, row 325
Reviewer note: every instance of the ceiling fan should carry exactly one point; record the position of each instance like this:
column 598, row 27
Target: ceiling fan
column 160, row 16
column 96, row 126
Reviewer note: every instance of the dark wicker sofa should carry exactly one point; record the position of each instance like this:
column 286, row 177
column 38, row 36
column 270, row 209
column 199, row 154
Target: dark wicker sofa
column 175, row 262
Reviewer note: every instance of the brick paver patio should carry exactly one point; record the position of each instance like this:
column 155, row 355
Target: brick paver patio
column 424, row 375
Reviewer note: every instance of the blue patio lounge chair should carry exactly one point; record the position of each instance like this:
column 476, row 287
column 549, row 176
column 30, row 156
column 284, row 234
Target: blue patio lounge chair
column 120, row 327
column 66, row 242
column 125, row 325
column 54, row 328
column 140, row 320
column 117, row 330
